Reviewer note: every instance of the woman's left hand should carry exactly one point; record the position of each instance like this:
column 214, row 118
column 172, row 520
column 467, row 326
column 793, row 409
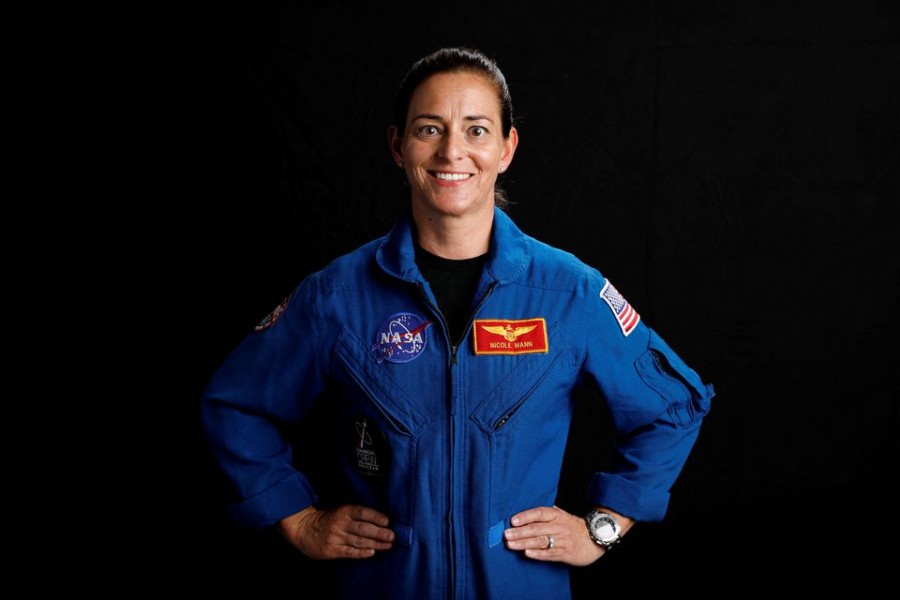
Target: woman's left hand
column 550, row 533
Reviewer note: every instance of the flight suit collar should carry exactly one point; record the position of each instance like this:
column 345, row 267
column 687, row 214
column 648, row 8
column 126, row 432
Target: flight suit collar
column 508, row 257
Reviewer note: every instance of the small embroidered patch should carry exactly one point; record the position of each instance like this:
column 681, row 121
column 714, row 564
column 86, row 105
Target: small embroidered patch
column 506, row 336
column 626, row 316
column 401, row 338
column 371, row 450
column 273, row 316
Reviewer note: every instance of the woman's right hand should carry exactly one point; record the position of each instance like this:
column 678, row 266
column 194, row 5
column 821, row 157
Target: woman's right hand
column 348, row 531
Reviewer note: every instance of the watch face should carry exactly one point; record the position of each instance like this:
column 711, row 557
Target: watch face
column 604, row 528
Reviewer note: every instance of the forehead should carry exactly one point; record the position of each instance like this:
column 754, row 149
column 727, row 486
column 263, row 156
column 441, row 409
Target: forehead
column 460, row 93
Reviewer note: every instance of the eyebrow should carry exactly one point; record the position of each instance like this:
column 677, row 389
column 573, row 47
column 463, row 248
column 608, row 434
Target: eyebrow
column 432, row 117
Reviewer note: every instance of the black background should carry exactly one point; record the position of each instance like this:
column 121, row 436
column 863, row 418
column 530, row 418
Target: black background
column 731, row 166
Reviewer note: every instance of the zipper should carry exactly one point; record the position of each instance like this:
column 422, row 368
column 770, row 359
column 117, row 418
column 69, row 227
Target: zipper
column 481, row 302
column 360, row 381
column 505, row 418
column 434, row 309
column 454, row 348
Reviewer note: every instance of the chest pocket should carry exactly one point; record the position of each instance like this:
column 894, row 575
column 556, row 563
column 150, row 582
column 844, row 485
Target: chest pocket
column 389, row 396
column 508, row 399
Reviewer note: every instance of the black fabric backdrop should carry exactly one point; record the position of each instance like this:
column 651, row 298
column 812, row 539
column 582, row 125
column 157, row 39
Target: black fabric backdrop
column 731, row 166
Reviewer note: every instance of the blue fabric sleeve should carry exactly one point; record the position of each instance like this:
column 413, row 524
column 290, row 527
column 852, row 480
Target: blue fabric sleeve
column 656, row 403
column 270, row 380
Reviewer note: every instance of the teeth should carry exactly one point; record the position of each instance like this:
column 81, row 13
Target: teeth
column 451, row 176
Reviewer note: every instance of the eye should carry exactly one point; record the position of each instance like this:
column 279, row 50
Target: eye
column 427, row 131
column 478, row 131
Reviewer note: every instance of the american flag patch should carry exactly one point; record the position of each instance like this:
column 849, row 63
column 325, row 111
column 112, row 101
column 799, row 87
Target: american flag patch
column 625, row 314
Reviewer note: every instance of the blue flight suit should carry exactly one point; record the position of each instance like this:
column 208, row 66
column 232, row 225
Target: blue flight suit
column 450, row 438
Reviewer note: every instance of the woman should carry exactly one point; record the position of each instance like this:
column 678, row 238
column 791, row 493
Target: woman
column 446, row 355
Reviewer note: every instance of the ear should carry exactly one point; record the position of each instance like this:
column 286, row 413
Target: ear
column 509, row 147
column 395, row 142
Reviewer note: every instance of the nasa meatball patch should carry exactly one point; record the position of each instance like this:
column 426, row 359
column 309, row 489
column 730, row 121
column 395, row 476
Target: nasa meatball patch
column 401, row 338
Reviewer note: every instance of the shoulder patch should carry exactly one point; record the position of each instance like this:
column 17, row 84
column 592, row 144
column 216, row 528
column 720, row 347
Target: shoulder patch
column 625, row 315
column 273, row 316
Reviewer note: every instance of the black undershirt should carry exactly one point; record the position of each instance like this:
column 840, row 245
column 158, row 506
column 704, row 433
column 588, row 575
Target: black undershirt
column 453, row 283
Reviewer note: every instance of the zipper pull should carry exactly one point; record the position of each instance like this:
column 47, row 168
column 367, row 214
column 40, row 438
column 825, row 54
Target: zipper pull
column 453, row 355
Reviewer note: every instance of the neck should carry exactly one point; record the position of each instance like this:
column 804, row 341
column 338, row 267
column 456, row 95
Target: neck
column 454, row 237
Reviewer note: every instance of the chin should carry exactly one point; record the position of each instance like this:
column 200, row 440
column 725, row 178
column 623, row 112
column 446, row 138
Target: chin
column 456, row 208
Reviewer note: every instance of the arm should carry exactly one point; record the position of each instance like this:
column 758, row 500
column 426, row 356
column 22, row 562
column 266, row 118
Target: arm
column 269, row 381
column 656, row 403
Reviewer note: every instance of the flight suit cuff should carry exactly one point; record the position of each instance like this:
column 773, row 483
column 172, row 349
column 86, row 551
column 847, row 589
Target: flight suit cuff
column 288, row 496
column 628, row 498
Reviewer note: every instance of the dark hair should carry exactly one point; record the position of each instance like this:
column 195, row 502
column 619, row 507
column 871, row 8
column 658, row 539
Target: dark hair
column 453, row 60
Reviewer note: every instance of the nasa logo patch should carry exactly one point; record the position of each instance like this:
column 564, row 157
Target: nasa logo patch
column 401, row 338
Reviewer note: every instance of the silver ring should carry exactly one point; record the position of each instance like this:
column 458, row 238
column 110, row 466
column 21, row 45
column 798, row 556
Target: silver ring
column 550, row 541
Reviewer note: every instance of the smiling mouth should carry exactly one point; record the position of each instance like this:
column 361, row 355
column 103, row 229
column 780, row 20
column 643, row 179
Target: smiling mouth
column 451, row 176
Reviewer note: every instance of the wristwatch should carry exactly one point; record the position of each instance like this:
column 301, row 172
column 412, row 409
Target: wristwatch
column 603, row 528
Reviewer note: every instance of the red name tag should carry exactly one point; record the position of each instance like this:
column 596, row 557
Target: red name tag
column 503, row 336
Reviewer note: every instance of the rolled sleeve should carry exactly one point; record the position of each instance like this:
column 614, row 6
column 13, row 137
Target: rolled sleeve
column 288, row 496
column 627, row 497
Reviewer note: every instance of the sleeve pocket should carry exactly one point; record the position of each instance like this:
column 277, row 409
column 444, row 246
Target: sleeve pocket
column 679, row 385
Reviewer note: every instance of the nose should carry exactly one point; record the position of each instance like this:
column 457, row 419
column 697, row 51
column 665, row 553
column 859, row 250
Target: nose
column 452, row 146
